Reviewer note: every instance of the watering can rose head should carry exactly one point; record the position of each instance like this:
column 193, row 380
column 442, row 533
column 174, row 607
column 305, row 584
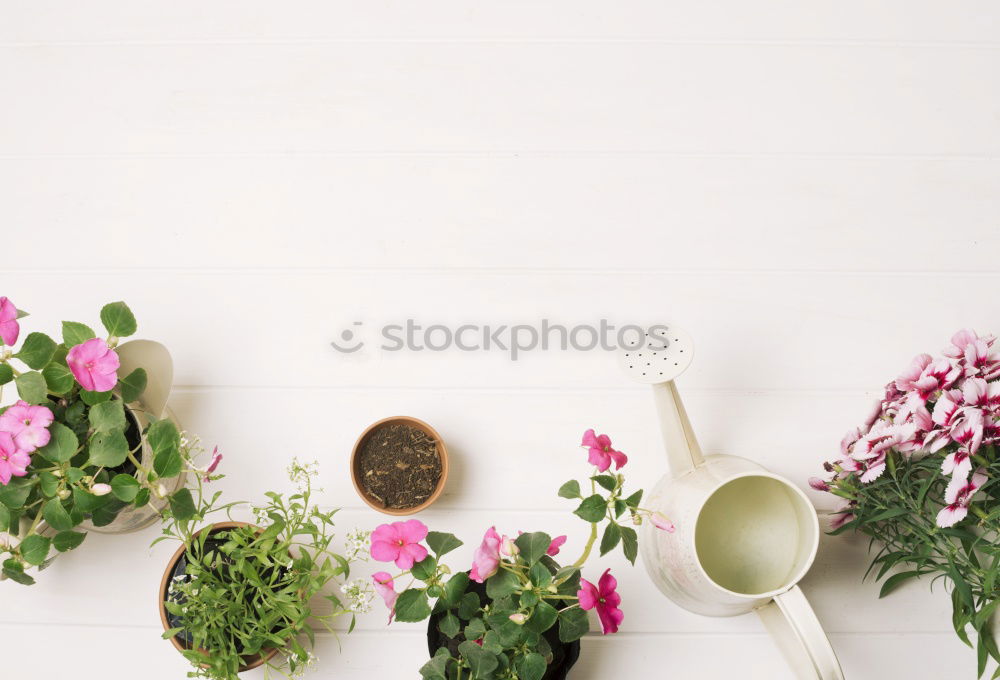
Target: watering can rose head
column 71, row 449
column 918, row 473
column 514, row 590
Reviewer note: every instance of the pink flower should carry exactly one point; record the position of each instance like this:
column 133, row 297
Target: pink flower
column 486, row 559
column 906, row 381
column 27, row 424
column 399, row 542
column 387, row 590
column 94, row 365
column 841, row 515
column 958, row 495
column 554, row 546
column 661, row 522
column 13, row 461
column 508, row 547
column 216, row 459
column 601, row 453
column 605, row 599
column 9, row 328
column 818, row 484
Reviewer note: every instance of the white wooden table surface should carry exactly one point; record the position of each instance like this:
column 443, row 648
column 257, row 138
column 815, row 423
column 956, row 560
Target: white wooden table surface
column 810, row 187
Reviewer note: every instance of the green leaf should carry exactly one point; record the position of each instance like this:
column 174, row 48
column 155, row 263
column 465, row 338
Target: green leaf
column 570, row 489
column 896, row 580
column 612, row 534
column 108, row 416
column 573, row 624
column 31, row 387
column 412, row 605
column 57, row 517
column 86, row 502
column 540, row 575
column 182, row 505
column 14, row 570
column 6, row 374
column 67, row 540
column 592, row 509
column 455, row 588
column 62, row 444
column 437, row 667
column 449, row 625
column 15, row 493
column 168, row 463
column 108, row 449
column 118, row 319
column 533, row 545
column 163, row 435
column 633, row 500
column 34, row 549
column 442, row 543
column 481, row 662
column 59, row 378
column 37, row 350
column 531, row 666
column 76, row 333
column 4, row 518
column 502, row 583
column 91, row 398
column 607, row 481
column 543, row 617
column 141, row 498
column 469, row 605
column 125, row 487
column 630, row 543
column 424, row 569
column 133, row 385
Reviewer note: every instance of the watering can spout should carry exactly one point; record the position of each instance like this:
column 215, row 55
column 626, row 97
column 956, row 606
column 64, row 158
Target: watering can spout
column 683, row 452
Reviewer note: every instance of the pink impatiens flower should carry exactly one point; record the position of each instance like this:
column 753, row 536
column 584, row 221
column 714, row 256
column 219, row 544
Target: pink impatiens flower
column 605, row 599
column 13, row 461
column 555, row 545
column 399, row 542
column 958, row 495
column 9, row 328
column 387, row 590
column 94, row 365
column 486, row 559
column 27, row 424
column 660, row 521
column 601, row 453
column 216, row 459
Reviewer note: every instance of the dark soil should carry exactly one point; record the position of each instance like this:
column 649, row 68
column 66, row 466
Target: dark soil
column 399, row 466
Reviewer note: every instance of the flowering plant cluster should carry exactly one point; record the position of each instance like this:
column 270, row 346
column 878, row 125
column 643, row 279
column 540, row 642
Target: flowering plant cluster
column 508, row 616
column 920, row 477
column 70, row 445
column 246, row 590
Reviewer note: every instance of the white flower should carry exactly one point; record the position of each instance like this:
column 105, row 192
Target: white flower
column 357, row 545
column 359, row 594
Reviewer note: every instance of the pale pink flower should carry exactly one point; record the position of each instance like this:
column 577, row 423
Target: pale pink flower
column 385, row 587
column 907, row 380
column 399, row 542
column 100, row 489
column 959, row 341
column 605, row 599
column 555, row 545
column 841, row 515
column 601, row 453
column 216, row 459
column 508, row 547
column 27, row 424
column 660, row 521
column 13, row 461
column 958, row 496
column 94, row 365
column 872, row 448
column 486, row 559
column 9, row 328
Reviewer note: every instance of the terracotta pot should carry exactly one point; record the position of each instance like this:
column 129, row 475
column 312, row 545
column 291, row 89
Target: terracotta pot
column 356, row 472
column 250, row 662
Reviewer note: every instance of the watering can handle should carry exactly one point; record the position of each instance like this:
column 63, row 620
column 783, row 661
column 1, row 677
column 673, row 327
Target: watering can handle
column 800, row 637
column 683, row 452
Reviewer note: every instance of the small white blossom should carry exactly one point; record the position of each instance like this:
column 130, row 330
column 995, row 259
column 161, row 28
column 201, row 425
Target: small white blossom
column 359, row 594
column 357, row 545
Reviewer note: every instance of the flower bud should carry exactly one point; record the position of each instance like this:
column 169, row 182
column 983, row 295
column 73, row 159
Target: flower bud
column 660, row 521
column 100, row 489
column 161, row 490
column 818, row 484
column 508, row 547
column 63, row 494
column 57, row 473
column 519, row 618
column 444, row 568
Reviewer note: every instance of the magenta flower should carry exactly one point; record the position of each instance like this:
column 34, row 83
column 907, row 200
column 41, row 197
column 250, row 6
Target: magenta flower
column 819, row 484
column 660, row 521
column 486, row 559
column 13, row 461
column 555, row 545
column 958, row 495
column 399, row 542
column 601, row 453
column 216, row 459
column 94, row 365
column 605, row 599
column 387, row 590
column 9, row 328
column 27, row 424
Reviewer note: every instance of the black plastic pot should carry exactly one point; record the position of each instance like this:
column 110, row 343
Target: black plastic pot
column 564, row 655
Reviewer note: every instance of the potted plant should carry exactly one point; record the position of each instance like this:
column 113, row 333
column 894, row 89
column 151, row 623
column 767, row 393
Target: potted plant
column 235, row 596
column 517, row 613
column 89, row 444
column 921, row 477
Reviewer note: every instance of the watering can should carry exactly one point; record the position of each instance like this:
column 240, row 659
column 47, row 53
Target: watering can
column 745, row 537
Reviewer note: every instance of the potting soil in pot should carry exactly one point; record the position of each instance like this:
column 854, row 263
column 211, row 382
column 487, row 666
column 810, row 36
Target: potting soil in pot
column 400, row 466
